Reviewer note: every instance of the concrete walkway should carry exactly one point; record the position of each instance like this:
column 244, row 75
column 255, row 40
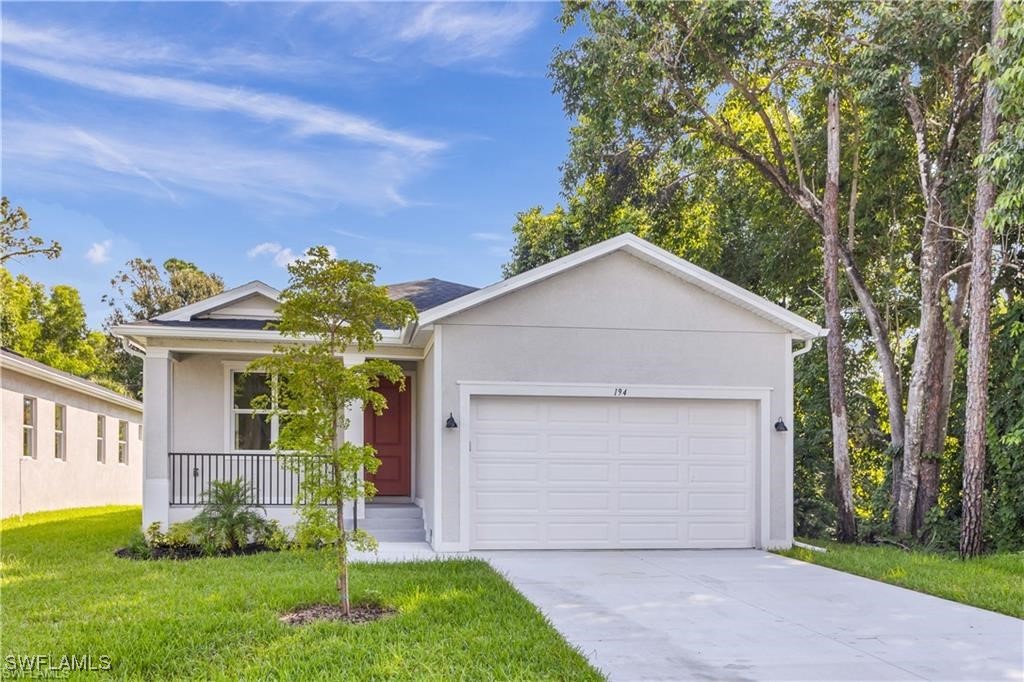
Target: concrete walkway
column 746, row 614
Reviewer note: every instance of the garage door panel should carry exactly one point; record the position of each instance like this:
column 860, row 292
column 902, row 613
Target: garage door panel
column 507, row 471
column 650, row 473
column 649, row 445
column 605, row 473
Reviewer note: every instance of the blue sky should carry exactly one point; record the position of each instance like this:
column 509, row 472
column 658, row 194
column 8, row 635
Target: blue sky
column 237, row 135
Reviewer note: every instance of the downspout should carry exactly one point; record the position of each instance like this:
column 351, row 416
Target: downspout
column 807, row 344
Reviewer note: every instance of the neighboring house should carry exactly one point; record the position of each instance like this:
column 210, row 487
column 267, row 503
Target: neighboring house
column 66, row 442
column 619, row 397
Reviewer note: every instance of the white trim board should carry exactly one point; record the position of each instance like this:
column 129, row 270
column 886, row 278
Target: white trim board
column 760, row 395
column 644, row 250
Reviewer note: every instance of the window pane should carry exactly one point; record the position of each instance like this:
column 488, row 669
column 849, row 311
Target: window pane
column 122, row 453
column 100, row 447
column 101, row 425
column 29, row 412
column 252, row 432
column 122, row 431
column 248, row 386
column 26, row 442
column 58, row 417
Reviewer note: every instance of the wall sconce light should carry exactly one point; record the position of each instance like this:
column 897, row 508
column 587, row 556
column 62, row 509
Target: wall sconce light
column 451, row 423
column 781, row 425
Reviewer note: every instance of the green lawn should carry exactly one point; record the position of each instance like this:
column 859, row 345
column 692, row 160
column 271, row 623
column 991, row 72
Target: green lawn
column 63, row 592
column 994, row 582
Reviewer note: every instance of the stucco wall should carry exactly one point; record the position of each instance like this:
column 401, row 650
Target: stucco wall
column 427, row 419
column 615, row 320
column 45, row 482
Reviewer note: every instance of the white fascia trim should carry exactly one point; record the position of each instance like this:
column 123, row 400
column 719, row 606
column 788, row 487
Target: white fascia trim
column 83, row 386
column 388, row 336
column 220, row 300
column 650, row 253
column 760, row 395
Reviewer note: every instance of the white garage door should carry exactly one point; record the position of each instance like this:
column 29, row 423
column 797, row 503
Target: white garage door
column 580, row 473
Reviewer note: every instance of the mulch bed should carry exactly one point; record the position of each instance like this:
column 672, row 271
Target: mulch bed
column 188, row 552
column 317, row 612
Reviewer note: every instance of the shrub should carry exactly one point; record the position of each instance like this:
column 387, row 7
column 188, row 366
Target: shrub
column 229, row 521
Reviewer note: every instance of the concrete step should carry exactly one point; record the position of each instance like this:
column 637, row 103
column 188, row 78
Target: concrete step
column 390, row 523
column 398, row 535
column 393, row 511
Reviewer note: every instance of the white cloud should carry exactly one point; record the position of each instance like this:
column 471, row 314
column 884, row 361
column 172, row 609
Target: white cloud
column 470, row 31
column 79, row 44
column 162, row 163
column 488, row 236
column 282, row 256
column 439, row 33
column 305, row 118
column 99, row 252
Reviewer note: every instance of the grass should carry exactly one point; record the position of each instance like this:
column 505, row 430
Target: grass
column 63, row 592
column 994, row 582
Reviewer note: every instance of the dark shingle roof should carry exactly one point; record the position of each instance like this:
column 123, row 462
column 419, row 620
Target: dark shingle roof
column 245, row 323
column 429, row 293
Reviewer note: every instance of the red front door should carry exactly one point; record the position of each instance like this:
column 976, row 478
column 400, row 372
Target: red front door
column 391, row 434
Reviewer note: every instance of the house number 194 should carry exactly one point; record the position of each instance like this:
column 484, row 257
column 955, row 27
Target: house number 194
column 619, row 391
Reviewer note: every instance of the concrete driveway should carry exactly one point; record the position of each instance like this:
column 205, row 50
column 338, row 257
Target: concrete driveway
column 747, row 614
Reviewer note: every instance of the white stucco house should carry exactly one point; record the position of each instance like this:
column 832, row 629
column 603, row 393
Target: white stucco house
column 619, row 397
column 65, row 442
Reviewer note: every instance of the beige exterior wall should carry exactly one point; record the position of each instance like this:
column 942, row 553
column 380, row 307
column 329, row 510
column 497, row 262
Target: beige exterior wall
column 616, row 320
column 44, row 482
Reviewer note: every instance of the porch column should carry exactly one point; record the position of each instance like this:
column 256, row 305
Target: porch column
column 156, row 436
column 354, row 432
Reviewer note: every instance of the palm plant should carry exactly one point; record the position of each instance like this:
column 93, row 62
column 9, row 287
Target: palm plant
column 229, row 520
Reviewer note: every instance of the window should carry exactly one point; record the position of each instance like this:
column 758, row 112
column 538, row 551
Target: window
column 59, row 422
column 122, row 442
column 101, row 438
column 251, row 428
column 140, row 431
column 28, row 427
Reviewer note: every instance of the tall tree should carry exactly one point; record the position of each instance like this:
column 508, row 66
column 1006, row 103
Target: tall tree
column 333, row 306
column 649, row 80
column 15, row 240
column 143, row 290
column 980, row 311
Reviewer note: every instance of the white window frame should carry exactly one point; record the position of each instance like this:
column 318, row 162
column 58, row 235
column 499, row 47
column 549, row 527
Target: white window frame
column 60, row 430
column 122, row 443
column 28, row 429
column 230, row 369
column 101, row 439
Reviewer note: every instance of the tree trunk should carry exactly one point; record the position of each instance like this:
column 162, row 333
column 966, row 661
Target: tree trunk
column 846, row 530
column 978, row 334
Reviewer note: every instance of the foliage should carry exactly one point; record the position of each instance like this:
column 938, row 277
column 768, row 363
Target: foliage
column 994, row 582
column 330, row 307
column 50, row 327
column 141, row 291
column 64, row 592
column 15, row 241
column 229, row 520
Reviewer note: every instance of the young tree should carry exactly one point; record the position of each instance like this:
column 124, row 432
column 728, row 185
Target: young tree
column 329, row 308
column 14, row 238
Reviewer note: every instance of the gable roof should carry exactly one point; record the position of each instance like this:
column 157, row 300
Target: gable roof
column 17, row 362
column 227, row 297
column 644, row 250
column 425, row 294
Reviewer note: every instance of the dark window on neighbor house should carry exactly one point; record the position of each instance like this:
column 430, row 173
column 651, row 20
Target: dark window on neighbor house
column 101, row 438
column 59, row 424
column 28, row 427
column 122, row 442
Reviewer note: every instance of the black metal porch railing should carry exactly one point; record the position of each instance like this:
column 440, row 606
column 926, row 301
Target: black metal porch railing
column 271, row 484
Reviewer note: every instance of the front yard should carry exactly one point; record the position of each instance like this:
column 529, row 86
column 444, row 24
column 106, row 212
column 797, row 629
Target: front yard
column 994, row 582
column 64, row 592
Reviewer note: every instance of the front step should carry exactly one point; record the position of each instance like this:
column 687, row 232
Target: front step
column 394, row 522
